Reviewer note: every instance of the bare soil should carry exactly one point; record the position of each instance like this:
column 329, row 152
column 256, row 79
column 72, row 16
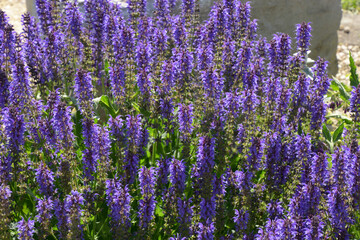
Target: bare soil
column 349, row 41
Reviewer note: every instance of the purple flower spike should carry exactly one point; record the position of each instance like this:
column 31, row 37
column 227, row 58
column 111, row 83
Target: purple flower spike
column 187, row 7
column 14, row 124
column 355, row 103
column 5, row 209
column 73, row 205
column 241, row 219
column 44, row 11
column 185, row 116
column 206, row 230
column 303, row 36
column 63, row 125
column 118, row 199
column 26, row 229
column 44, row 208
column 206, row 155
column 74, row 19
column 4, row 89
column 147, row 179
column 177, row 175
column 45, row 179
column 19, row 88
column 91, row 154
column 163, row 172
column 83, row 88
column 339, row 216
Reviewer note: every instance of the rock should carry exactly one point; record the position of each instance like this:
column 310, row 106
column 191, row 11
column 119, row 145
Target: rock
column 357, row 61
column 346, row 29
column 282, row 16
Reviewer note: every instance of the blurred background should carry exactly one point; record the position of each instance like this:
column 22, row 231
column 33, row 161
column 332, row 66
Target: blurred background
column 347, row 30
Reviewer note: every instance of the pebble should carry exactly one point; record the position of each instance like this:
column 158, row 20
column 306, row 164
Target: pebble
column 357, row 62
column 347, row 30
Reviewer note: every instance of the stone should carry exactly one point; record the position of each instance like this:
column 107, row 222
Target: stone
column 347, row 30
column 282, row 16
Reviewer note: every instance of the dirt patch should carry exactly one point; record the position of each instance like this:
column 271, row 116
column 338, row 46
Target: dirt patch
column 349, row 41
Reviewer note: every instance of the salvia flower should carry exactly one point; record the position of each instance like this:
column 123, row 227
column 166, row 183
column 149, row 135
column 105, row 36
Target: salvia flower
column 45, row 179
column 185, row 116
column 104, row 147
column 185, row 211
column 83, row 88
column 4, row 89
column 91, row 133
column 26, row 229
column 74, row 19
column 206, row 230
column 118, row 199
column 44, row 209
column 208, row 208
column 213, row 83
column 62, row 218
column 242, row 17
column 177, row 175
column 63, row 125
column 163, row 172
column 14, row 124
column 44, row 11
column 74, row 212
column 355, row 103
column 19, row 88
column 275, row 209
column 5, row 201
column 187, row 6
column 143, row 60
column 206, row 155
column 314, row 228
column 303, row 36
column 338, row 212
column 241, row 219
column 147, row 179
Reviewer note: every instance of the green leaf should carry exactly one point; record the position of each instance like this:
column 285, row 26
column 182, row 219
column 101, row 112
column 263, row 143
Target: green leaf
column 354, row 78
column 105, row 102
column 106, row 67
column 136, row 106
column 343, row 117
column 25, row 209
column 338, row 133
column 158, row 211
column 326, row 133
column 300, row 131
column 334, row 86
column 342, row 90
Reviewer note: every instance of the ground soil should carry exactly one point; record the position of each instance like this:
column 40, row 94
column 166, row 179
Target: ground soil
column 349, row 41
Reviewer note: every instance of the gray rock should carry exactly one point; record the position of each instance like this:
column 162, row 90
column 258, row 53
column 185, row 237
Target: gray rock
column 282, row 16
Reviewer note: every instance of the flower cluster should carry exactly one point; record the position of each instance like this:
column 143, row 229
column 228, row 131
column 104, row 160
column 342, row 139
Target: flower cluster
column 119, row 124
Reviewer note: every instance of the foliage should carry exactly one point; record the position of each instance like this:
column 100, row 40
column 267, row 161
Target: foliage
column 120, row 125
column 352, row 5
